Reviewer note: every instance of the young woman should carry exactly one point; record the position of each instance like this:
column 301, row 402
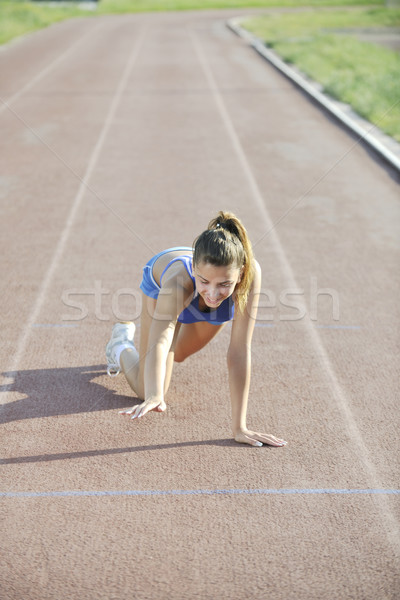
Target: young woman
column 188, row 297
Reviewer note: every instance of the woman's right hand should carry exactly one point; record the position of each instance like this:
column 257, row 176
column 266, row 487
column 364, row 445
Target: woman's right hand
column 141, row 409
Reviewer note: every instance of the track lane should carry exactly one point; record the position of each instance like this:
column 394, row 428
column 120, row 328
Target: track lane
column 180, row 136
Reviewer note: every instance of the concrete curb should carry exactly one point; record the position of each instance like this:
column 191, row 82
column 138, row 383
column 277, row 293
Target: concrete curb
column 385, row 146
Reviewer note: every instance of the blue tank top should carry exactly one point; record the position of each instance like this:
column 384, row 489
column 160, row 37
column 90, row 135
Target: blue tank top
column 192, row 313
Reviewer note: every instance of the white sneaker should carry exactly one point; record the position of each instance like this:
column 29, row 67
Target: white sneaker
column 122, row 333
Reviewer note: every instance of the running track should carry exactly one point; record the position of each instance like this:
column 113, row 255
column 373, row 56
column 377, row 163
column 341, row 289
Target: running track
column 122, row 136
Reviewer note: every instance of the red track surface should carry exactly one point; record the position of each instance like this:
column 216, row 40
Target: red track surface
column 122, row 136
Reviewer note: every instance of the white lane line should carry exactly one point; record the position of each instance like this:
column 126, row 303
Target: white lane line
column 349, row 422
column 75, row 45
column 74, row 209
column 76, row 175
column 201, row 492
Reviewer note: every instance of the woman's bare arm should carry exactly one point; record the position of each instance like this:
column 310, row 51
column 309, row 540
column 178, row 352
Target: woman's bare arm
column 239, row 367
column 175, row 294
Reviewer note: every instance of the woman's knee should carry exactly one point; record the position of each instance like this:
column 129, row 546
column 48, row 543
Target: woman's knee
column 179, row 356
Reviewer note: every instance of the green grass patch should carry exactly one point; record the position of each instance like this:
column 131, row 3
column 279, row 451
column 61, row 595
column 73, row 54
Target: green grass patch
column 126, row 6
column 362, row 74
column 18, row 17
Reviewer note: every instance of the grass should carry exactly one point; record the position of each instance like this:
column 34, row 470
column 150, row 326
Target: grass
column 364, row 75
column 18, row 17
column 123, row 6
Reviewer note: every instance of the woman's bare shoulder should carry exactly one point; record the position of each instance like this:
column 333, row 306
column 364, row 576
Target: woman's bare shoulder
column 256, row 266
column 256, row 272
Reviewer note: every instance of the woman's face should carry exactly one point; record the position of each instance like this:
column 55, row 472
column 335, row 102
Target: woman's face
column 214, row 284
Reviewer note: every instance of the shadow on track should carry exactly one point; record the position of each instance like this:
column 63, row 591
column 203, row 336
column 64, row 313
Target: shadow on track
column 56, row 392
column 109, row 451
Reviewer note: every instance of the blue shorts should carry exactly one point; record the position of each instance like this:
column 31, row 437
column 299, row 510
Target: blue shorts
column 149, row 286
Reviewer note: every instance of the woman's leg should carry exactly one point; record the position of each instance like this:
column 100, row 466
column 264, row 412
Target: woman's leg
column 132, row 362
column 193, row 337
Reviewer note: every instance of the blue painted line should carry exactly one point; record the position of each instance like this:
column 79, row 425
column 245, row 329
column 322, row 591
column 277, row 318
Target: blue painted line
column 355, row 327
column 55, row 325
column 200, row 492
column 349, row 327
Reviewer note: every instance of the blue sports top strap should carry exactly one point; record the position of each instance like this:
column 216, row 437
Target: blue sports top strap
column 187, row 261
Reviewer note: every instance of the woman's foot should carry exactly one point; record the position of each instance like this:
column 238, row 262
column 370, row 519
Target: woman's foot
column 122, row 335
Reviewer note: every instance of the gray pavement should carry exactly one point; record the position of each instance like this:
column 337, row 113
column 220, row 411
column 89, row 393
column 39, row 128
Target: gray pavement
column 123, row 136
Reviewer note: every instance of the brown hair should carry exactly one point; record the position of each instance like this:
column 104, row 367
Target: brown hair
column 223, row 243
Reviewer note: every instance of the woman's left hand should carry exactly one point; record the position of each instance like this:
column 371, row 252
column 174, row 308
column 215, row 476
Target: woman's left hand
column 245, row 436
